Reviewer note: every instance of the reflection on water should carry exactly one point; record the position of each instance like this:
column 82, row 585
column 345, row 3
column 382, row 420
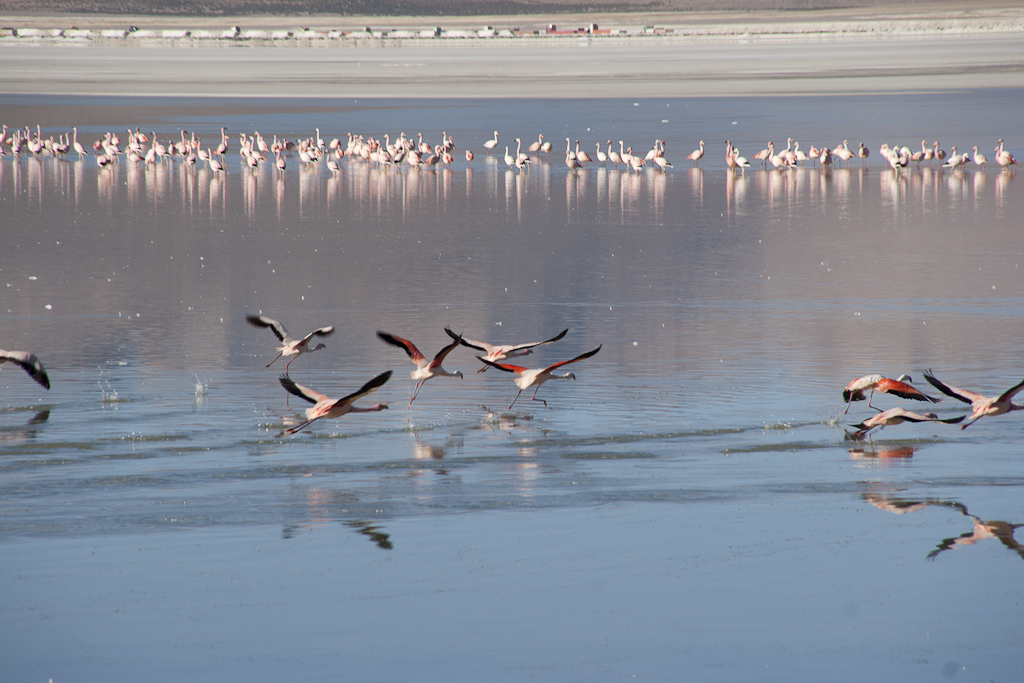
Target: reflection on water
column 982, row 530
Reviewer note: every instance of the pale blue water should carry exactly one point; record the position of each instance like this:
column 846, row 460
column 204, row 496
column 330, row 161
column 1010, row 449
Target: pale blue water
column 688, row 506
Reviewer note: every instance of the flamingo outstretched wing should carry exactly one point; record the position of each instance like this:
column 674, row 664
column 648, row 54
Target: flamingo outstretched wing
column 368, row 388
column 302, row 392
column 404, row 344
column 263, row 321
column 439, row 358
column 29, row 363
column 588, row 354
column 951, row 391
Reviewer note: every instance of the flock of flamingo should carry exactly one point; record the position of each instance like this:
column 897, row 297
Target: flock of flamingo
column 255, row 151
column 325, row 407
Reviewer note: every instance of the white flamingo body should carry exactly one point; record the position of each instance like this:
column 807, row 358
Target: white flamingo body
column 981, row 406
column 291, row 346
column 425, row 369
column 535, row 377
column 895, row 416
column 496, row 352
column 326, row 407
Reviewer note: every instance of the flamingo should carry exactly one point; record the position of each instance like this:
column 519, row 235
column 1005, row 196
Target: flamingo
column 955, row 160
column 535, row 146
column 491, row 144
column 696, row 154
column 614, row 156
column 981, row 406
column 864, row 153
column 1004, row 158
column 854, row 391
column 424, row 369
column 583, row 157
column 292, row 346
column 535, row 377
column 601, row 156
column 327, row 407
column 215, row 165
column 79, row 147
column 469, row 156
column 503, row 351
column 765, row 154
column 939, row 154
column 895, row 416
column 979, row 159
column 29, row 363
column 509, row 159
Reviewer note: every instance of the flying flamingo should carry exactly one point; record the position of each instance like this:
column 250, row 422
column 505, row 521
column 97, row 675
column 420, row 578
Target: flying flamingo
column 424, row 369
column 854, row 391
column 292, row 346
column 535, row 377
column 29, row 362
column 327, row 407
column 981, row 406
column 504, row 351
column 895, row 416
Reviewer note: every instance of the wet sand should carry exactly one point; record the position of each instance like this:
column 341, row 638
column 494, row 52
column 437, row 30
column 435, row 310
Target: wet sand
column 705, row 55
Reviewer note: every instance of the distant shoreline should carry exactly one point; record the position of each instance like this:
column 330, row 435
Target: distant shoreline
column 898, row 49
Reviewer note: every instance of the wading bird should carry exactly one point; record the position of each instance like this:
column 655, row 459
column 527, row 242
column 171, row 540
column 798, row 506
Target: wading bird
column 895, row 416
column 292, row 346
column 29, row 362
column 495, row 352
column 424, row 369
column 854, row 391
column 535, row 377
column 327, row 407
column 981, row 406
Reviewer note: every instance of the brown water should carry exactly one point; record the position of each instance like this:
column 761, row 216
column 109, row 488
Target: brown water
column 689, row 503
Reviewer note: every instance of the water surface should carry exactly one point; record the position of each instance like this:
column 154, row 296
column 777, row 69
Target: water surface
column 689, row 503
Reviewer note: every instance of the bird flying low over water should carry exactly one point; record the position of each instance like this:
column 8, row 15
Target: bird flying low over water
column 854, row 391
column 29, row 362
column 292, row 346
column 493, row 352
column 895, row 416
column 424, row 369
column 535, row 377
column 981, row 406
column 327, row 407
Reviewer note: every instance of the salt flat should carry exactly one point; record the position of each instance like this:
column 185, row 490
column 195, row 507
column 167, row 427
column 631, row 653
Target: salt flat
column 702, row 55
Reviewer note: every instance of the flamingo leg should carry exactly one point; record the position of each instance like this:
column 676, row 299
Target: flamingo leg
column 299, row 427
column 514, row 400
column 275, row 359
column 534, row 397
column 416, row 391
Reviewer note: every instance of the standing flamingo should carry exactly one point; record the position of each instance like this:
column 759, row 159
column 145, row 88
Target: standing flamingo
column 503, row 351
column 535, row 377
column 491, row 144
column 424, row 369
column 29, row 363
column 854, row 391
column 327, row 407
column 981, row 406
column 292, row 346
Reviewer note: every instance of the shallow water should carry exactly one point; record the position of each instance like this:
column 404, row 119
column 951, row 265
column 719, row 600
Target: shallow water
column 689, row 503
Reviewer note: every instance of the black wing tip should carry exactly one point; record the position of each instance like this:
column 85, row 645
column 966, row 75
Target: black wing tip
column 256, row 320
column 493, row 364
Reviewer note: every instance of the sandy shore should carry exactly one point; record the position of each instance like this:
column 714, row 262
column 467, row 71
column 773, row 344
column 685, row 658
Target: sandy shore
column 693, row 54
